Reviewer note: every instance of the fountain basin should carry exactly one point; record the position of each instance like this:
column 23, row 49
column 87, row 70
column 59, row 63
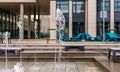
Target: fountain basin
column 67, row 65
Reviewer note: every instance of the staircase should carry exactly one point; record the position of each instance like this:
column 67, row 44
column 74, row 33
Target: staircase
column 44, row 50
column 49, row 50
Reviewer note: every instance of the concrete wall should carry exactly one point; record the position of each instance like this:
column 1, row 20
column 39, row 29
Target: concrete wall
column 45, row 23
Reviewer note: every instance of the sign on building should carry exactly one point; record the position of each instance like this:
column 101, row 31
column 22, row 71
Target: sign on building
column 103, row 13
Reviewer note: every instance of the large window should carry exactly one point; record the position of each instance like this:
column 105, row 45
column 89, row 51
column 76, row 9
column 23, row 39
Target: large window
column 117, row 16
column 78, row 16
column 78, row 7
column 100, row 5
column 99, row 16
column 117, row 5
column 64, row 6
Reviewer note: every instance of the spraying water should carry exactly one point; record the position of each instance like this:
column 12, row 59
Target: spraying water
column 18, row 67
column 6, row 54
column 6, row 42
column 35, row 68
column 60, row 24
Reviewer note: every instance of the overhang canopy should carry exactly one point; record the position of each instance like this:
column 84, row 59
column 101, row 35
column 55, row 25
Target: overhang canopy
column 43, row 6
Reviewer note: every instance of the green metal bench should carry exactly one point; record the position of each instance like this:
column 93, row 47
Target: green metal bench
column 88, row 37
column 112, row 37
column 114, row 51
column 79, row 37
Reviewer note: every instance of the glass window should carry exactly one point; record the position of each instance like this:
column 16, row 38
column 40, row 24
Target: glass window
column 78, row 6
column 63, row 5
column 63, row 2
column 78, row 16
column 99, row 23
column 100, row 5
column 117, row 5
column 73, row 8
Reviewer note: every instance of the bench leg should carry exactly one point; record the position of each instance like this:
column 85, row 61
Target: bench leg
column 81, row 48
column 2, row 41
column 9, row 41
column 109, row 53
column 114, row 55
column 66, row 48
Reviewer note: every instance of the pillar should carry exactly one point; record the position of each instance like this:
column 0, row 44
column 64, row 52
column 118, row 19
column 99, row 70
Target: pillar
column 22, row 19
column 92, row 17
column 70, row 18
column 86, row 15
column 52, row 29
column 111, row 14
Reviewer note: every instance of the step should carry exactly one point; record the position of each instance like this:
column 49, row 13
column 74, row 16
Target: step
column 75, row 52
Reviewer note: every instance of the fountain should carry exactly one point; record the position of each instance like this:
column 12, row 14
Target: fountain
column 35, row 68
column 18, row 67
column 60, row 24
column 6, row 55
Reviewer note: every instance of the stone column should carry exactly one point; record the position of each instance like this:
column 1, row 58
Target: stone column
column 52, row 29
column 92, row 17
column 70, row 18
column 29, row 31
column 86, row 15
column 22, row 19
column 111, row 14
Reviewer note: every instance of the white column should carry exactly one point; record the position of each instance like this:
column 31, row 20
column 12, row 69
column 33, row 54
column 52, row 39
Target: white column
column 52, row 19
column 111, row 14
column 92, row 17
column 70, row 18
column 22, row 19
column 86, row 15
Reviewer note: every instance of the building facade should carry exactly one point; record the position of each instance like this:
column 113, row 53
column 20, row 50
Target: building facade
column 81, row 16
